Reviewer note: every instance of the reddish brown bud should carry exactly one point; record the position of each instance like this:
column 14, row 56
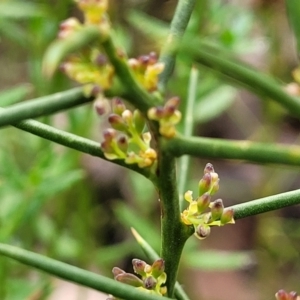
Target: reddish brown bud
column 117, row 122
column 116, row 271
column 118, row 106
column 109, row 134
column 100, row 60
column 123, row 143
column 129, row 279
column 139, row 266
column 217, row 209
column 144, row 59
column 203, row 202
column 152, row 58
column 209, row 168
column 150, row 283
column 281, row 295
column 202, row 231
column 205, row 184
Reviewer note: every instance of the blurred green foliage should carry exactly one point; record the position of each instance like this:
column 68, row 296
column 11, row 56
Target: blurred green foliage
column 46, row 198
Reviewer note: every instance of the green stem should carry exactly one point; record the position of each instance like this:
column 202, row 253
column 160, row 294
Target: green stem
column 75, row 274
column 178, row 26
column 75, row 142
column 174, row 233
column 229, row 149
column 266, row 204
column 43, row 106
column 188, row 123
column 244, row 75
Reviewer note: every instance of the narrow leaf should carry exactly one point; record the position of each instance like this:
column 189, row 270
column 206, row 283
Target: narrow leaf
column 293, row 13
column 14, row 94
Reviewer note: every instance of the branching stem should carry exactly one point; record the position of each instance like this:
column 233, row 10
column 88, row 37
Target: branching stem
column 238, row 150
column 266, row 204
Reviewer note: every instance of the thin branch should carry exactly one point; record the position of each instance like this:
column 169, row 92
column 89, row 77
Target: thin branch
column 244, row 75
column 75, row 142
column 74, row 274
column 178, row 26
column 188, row 123
column 43, row 106
column 266, row 204
column 238, row 150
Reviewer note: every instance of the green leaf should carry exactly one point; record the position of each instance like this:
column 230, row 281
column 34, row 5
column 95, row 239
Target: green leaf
column 131, row 218
column 15, row 94
column 218, row 260
column 293, row 13
column 109, row 255
column 214, row 104
column 20, row 10
column 151, row 27
column 74, row 274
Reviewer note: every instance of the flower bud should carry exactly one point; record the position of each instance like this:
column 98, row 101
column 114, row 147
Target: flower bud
column 217, row 208
column 209, row 168
column 227, row 216
column 205, row 184
column 139, row 121
column 129, row 279
column 127, row 116
column 117, row 122
column 117, row 271
column 167, row 130
column 158, row 267
column 171, row 106
column 282, row 295
column 293, row 295
column 109, row 134
column 203, row 202
column 100, row 60
column 101, row 106
column 147, row 137
column 214, row 183
column 152, row 58
column 67, row 27
column 118, row 106
column 202, row 231
column 133, row 64
column 188, row 196
column 139, row 266
column 150, row 283
column 122, row 143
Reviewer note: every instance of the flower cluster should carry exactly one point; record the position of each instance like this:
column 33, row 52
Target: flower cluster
column 146, row 69
column 167, row 116
column 283, row 295
column 201, row 212
column 94, row 11
column 89, row 65
column 133, row 144
column 151, row 278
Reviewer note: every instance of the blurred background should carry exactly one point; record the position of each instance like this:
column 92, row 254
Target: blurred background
column 79, row 209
